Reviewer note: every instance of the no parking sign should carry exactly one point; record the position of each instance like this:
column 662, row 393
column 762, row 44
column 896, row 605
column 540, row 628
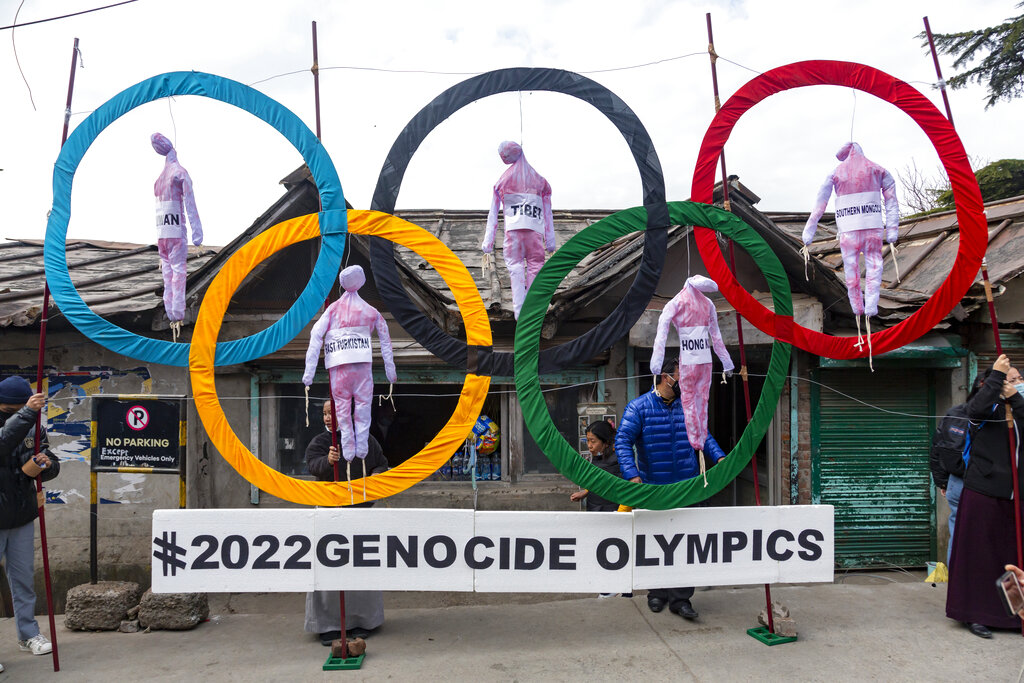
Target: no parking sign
column 137, row 433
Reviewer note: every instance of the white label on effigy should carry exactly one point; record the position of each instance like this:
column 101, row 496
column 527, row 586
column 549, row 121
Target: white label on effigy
column 859, row 211
column 463, row 550
column 346, row 345
column 694, row 346
column 169, row 221
column 523, row 212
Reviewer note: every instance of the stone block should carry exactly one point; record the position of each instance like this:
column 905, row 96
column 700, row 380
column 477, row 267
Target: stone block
column 99, row 607
column 173, row 611
column 129, row 626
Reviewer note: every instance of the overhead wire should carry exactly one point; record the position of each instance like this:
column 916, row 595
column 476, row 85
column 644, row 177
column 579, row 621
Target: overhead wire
column 63, row 16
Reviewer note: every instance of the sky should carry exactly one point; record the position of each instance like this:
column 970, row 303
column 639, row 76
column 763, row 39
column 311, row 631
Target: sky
column 782, row 149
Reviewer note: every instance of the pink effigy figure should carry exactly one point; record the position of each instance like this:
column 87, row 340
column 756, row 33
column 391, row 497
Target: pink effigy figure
column 529, row 228
column 343, row 331
column 174, row 201
column 860, row 185
column 696, row 321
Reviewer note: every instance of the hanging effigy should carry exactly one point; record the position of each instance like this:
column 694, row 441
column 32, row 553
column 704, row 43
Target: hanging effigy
column 174, row 201
column 694, row 317
column 525, row 198
column 861, row 187
column 343, row 332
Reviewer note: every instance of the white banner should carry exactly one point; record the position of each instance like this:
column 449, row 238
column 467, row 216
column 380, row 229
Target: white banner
column 523, row 212
column 346, row 345
column 694, row 346
column 169, row 221
column 858, row 211
column 462, row 550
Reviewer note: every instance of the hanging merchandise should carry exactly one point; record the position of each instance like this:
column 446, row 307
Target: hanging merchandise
column 861, row 187
column 174, row 201
column 695, row 320
column 525, row 198
column 487, row 435
column 343, row 331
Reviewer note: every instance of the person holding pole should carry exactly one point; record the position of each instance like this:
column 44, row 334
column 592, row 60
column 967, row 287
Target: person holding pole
column 983, row 540
column 19, row 503
column 364, row 610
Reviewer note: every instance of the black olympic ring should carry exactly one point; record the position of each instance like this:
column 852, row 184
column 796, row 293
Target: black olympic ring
column 485, row 360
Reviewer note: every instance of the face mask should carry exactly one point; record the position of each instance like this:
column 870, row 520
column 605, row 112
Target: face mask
column 676, row 390
column 1019, row 388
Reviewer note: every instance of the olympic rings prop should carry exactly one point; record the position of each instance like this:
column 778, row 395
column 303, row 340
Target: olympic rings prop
column 966, row 194
column 616, row 324
column 564, row 455
column 204, row 343
column 285, row 122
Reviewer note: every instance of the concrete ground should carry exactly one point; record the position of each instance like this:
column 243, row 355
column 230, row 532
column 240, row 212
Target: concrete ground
column 880, row 626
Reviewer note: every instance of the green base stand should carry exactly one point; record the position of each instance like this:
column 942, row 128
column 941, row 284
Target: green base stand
column 767, row 637
column 338, row 663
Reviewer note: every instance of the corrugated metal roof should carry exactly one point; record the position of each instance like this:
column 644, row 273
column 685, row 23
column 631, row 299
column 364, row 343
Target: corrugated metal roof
column 462, row 232
column 111, row 277
column 926, row 251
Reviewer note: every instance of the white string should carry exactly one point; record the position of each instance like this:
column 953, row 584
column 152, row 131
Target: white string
column 174, row 125
column 853, row 114
column 520, row 118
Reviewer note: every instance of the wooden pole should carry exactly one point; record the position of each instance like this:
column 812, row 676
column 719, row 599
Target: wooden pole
column 39, row 389
column 938, row 70
column 739, row 320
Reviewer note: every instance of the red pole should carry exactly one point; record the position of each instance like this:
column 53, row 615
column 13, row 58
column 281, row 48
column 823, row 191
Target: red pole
column 39, row 389
column 334, row 428
column 1011, row 434
column 739, row 321
column 938, row 70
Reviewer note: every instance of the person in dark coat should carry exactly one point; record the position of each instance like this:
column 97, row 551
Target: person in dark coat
column 19, row 504
column 601, row 444
column 364, row 610
column 984, row 539
column 655, row 425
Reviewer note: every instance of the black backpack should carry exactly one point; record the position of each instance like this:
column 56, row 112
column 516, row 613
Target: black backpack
column 951, row 441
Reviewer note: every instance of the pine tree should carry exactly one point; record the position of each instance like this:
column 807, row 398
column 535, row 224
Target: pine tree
column 1001, row 49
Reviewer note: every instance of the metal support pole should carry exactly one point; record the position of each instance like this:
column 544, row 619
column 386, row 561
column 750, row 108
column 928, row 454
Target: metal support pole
column 739, row 322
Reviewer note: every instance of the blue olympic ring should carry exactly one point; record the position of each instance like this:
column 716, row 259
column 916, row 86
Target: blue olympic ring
column 333, row 220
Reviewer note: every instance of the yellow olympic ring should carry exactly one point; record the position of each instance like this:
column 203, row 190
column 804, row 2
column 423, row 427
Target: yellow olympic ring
column 207, row 328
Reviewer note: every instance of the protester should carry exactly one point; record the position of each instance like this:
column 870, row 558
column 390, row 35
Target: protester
column 984, row 541
column 364, row 610
column 601, row 444
column 655, row 425
column 19, row 503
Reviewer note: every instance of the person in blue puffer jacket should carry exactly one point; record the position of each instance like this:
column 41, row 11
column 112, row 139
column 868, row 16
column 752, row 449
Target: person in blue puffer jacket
column 655, row 426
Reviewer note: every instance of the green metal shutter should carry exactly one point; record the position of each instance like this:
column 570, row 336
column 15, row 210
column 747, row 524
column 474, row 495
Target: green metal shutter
column 873, row 465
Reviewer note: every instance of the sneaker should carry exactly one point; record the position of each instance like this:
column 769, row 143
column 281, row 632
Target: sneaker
column 605, row 596
column 38, row 645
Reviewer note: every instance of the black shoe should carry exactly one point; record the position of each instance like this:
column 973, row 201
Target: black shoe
column 357, row 633
column 328, row 637
column 656, row 604
column 685, row 610
column 979, row 630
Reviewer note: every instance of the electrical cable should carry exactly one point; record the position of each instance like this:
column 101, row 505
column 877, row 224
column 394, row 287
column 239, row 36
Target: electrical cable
column 63, row 16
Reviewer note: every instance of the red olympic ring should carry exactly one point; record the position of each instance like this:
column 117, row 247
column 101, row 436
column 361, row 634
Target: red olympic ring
column 966, row 194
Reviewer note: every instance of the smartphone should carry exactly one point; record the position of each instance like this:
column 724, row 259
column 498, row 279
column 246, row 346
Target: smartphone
column 1013, row 596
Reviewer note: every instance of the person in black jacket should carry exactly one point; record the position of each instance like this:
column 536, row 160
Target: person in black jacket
column 984, row 540
column 19, row 504
column 364, row 610
column 601, row 444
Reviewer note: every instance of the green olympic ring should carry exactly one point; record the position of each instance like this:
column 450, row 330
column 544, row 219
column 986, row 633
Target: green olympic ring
column 527, row 352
